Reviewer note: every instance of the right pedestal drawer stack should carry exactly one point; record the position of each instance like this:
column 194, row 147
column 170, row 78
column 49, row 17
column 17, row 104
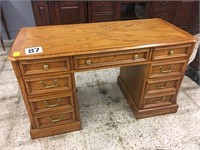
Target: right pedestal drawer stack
column 165, row 75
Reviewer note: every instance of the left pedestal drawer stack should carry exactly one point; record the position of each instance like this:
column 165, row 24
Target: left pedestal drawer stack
column 49, row 92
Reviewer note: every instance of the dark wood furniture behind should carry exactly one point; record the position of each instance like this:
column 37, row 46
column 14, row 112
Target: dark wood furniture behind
column 59, row 12
column 193, row 69
column 184, row 14
column 101, row 11
column 187, row 16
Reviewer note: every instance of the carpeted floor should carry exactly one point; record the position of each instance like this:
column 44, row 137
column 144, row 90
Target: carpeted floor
column 107, row 121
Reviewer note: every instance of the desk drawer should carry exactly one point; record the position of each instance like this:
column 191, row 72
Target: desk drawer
column 41, row 85
column 52, row 102
column 54, row 118
column 159, row 100
column 112, row 58
column 102, row 18
column 171, row 52
column 166, row 15
column 167, row 68
column 163, row 5
column 162, row 85
column 102, row 6
column 31, row 67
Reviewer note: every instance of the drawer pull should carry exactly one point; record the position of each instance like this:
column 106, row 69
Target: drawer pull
column 46, row 67
column 163, row 3
column 55, row 120
column 136, row 57
column 158, row 100
column 166, row 71
column 161, row 16
column 88, row 62
column 99, row 20
column 102, row 6
column 55, row 84
column 171, row 53
column 162, row 87
column 53, row 105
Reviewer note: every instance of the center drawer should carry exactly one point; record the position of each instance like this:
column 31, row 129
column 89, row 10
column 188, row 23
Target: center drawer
column 47, row 84
column 105, row 59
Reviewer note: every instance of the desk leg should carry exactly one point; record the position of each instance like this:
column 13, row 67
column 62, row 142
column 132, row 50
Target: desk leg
column 132, row 84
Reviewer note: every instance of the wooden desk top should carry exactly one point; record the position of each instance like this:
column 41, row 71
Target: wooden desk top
column 78, row 39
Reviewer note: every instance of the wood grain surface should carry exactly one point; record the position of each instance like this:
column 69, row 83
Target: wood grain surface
column 68, row 40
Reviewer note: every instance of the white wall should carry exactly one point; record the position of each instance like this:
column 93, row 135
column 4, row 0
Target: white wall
column 18, row 13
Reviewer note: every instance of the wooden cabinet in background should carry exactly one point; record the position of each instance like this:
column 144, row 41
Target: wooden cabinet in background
column 59, row 12
column 69, row 12
column 131, row 10
column 101, row 11
column 163, row 9
column 184, row 14
column 41, row 13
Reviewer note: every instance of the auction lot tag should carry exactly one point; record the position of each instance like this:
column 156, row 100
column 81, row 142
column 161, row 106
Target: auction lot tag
column 15, row 54
column 33, row 50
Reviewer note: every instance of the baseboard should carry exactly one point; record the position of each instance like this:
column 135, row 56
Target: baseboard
column 59, row 129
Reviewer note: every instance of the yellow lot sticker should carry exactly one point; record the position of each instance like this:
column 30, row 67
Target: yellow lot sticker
column 16, row 54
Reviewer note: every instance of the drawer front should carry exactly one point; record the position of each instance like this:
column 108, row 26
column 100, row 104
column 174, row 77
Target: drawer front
column 102, row 18
column 53, row 119
column 44, row 66
column 166, row 15
column 41, row 85
column 167, row 68
column 164, row 5
column 161, row 85
column 53, row 102
column 171, row 52
column 102, row 6
column 160, row 100
column 97, row 60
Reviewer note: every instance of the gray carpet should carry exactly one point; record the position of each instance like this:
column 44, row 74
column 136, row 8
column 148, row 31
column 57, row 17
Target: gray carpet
column 107, row 121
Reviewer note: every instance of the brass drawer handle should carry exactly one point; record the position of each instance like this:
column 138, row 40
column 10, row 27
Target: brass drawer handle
column 55, row 120
column 55, row 84
column 102, row 6
column 53, row 105
column 171, row 53
column 88, row 62
column 158, row 100
column 136, row 57
column 166, row 71
column 162, row 87
column 163, row 3
column 46, row 67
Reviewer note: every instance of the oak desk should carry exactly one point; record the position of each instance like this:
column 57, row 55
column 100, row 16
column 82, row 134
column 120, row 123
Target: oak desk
column 152, row 54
